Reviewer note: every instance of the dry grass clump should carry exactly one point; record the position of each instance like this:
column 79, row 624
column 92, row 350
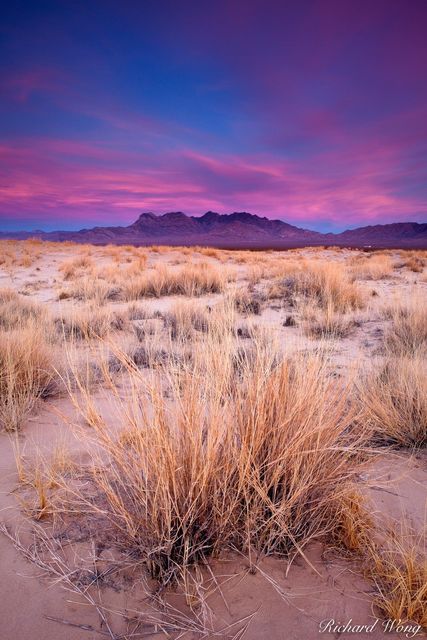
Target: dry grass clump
column 415, row 264
column 399, row 571
column 251, row 452
column 191, row 280
column 88, row 323
column 136, row 312
column 375, row 267
column 248, row 301
column 186, row 318
column 326, row 285
column 15, row 311
column 118, row 274
column 71, row 268
column 91, row 288
column 413, row 260
column 408, row 331
column 209, row 252
column 26, row 373
column 393, row 400
column 326, row 323
column 354, row 524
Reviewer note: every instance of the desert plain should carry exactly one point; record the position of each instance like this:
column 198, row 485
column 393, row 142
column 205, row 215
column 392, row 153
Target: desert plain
column 204, row 443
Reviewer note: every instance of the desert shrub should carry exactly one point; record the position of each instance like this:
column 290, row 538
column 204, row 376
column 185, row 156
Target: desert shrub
column 137, row 312
column 413, row 260
column 71, row 268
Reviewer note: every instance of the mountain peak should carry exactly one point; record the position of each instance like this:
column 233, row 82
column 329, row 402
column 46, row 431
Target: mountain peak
column 143, row 218
column 174, row 216
column 239, row 229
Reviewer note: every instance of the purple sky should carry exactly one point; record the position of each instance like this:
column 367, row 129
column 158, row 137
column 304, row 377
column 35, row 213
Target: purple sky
column 310, row 111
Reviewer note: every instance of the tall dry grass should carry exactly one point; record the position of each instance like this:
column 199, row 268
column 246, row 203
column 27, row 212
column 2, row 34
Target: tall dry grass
column 328, row 285
column 376, row 266
column 26, row 373
column 16, row 311
column 90, row 288
column 407, row 333
column 190, row 280
column 322, row 323
column 72, row 268
column 230, row 448
column 398, row 568
column 393, row 401
column 89, row 322
column 415, row 261
column 185, row 318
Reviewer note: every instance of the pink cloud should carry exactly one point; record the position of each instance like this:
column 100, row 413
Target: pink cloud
column 57, row 177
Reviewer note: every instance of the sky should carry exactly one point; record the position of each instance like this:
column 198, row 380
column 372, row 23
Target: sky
column 311, row 111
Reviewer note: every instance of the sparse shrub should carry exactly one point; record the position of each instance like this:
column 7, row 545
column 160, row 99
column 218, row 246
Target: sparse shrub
column 144, row 328
column 289, row 321
column 414, row 261
column 91, row 289
column 136, row 312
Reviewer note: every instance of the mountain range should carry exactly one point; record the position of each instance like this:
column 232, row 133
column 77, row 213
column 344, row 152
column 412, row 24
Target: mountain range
column 240, row 230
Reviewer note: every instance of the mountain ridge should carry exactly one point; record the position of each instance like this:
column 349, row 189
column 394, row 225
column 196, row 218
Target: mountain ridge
column 237, row 229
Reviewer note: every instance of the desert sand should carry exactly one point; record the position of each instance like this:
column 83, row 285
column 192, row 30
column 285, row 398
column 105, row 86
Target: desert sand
column 60, row 577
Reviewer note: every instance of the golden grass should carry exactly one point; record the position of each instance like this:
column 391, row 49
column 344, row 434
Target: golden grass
column 408, row 331
column 89, row 322
column 325, row 323
column 90, row 288
column 373, row 267
column 393, row 401
column 26, row 373
column 398, row 569
column 186, row 318
column 245, row 449
column 216, row 445
column 248, row 301
column 16, row 311
column 72, row 268
column 413, row 260
column 190, row 280
column 325, row 284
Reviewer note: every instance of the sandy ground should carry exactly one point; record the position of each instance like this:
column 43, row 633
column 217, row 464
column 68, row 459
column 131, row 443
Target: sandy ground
column 280, row 600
